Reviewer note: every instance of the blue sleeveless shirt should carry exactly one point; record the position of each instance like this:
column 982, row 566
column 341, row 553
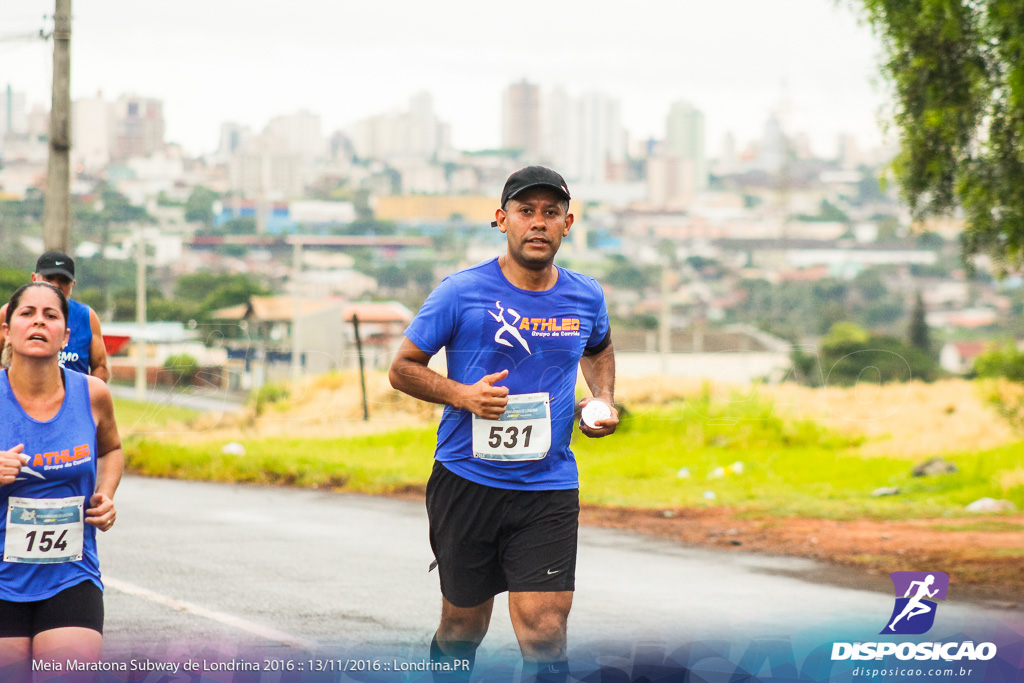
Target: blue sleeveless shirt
column 62, row 464
column 75, row 356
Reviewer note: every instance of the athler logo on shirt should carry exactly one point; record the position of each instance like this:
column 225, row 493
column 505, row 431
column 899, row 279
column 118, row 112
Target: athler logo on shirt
column 56, row 460
column 536, row 326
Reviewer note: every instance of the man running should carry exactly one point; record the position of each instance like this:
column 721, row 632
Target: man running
column 503, row 497
column 85, row 351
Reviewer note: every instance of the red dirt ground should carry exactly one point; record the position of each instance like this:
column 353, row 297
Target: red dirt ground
column 985, row 565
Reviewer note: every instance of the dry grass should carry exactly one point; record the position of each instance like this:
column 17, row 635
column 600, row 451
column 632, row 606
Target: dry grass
column 327, row 406
column 904, row 420
column 1011, row 479
column 909, row 420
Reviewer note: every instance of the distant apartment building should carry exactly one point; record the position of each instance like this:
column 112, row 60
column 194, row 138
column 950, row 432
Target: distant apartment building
column 298, row 134
column 684, row 141
column 671, row 182
column 413, row 133
column 138, row 127
column 776, row 147
column 233, row 138
column 520, row 120
column 259, row 172
column 583, row 136
column 277, row 163
column 13, row 113
column 92, row 126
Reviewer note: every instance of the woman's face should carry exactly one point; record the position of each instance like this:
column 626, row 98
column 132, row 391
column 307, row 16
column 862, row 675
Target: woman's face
column 37, row 327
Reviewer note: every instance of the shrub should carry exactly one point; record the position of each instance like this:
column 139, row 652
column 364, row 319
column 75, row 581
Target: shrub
column 184, row 367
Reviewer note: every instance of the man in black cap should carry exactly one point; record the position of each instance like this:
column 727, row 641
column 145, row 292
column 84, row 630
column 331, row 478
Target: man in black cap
column 503, row 497
column 84, row 351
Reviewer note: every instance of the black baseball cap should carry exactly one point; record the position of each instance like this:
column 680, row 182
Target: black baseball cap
column 56, row 263
column 533, row 176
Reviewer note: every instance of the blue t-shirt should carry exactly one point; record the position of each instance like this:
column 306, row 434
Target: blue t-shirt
column 75, row 356
column 62, row 464
column 486, row 325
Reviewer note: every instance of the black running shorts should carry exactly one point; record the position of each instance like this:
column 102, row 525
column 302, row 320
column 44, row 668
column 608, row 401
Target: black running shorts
column 79, row 606
column 488, row 540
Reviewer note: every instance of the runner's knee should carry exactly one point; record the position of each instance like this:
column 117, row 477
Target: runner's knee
column 462, row 625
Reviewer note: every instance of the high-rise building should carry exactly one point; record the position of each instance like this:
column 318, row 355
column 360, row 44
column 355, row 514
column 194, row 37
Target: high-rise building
column 775, row 147
column 91, row 132
column 415, row 133
column 233, row 137
column 848, row 153
column 297, row 134
column 138, row 127
column 520, row 120
column 13, row 113
column 583, row 136
column 684, row 140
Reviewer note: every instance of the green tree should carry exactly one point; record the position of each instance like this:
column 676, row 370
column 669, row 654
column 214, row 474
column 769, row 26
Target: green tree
column 918, row 333
column 1005, row 360
column 212, row 291
column 183, row 367
column 627, row 276
column 849, row 355
column 844, row 333
column 957, row 70
column 10, row 280
column 199, row 206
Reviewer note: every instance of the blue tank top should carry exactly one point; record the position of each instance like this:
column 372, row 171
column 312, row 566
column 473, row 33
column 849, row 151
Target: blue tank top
column 75, row 356
column 62, row 465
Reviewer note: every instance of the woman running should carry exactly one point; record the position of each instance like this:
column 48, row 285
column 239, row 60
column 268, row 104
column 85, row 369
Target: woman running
column 60, row 464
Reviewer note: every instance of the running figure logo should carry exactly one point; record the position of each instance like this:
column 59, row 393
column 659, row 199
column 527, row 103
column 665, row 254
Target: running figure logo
column 506, row 327
column 914, row 613
column 25, row 470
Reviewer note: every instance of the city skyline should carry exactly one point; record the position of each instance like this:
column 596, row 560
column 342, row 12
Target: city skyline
column 737, row 62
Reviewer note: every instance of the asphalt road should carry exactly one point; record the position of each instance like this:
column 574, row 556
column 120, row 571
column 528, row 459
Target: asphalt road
column 220, row 570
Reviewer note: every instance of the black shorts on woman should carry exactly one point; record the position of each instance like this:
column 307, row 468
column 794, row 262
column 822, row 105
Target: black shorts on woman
column 79, row 606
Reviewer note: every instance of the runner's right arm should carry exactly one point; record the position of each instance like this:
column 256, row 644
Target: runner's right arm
column 110, row 457
column 409, row 374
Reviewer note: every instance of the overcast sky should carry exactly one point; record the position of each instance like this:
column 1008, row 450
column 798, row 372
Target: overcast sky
column 232, row 60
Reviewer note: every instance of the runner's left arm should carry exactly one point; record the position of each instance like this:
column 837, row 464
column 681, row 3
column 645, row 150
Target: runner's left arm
column 110, row 460
column 97, row 350
column 599, row 373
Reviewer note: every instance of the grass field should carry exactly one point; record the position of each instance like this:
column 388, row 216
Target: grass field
column 753, row 455
column 134, row 417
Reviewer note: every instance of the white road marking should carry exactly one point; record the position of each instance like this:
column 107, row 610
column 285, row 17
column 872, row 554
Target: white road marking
column 198, row 610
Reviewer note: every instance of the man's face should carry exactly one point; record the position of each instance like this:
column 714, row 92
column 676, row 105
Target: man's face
column 61, row 282
column 534, row 222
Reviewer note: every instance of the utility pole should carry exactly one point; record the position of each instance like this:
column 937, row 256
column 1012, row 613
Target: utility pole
column 297, row 310
column 665, row 318
column 141, row 347
column 57, row 206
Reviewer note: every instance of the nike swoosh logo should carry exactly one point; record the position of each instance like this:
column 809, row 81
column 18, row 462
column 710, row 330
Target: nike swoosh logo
column 58, row 263
column 553, row 571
